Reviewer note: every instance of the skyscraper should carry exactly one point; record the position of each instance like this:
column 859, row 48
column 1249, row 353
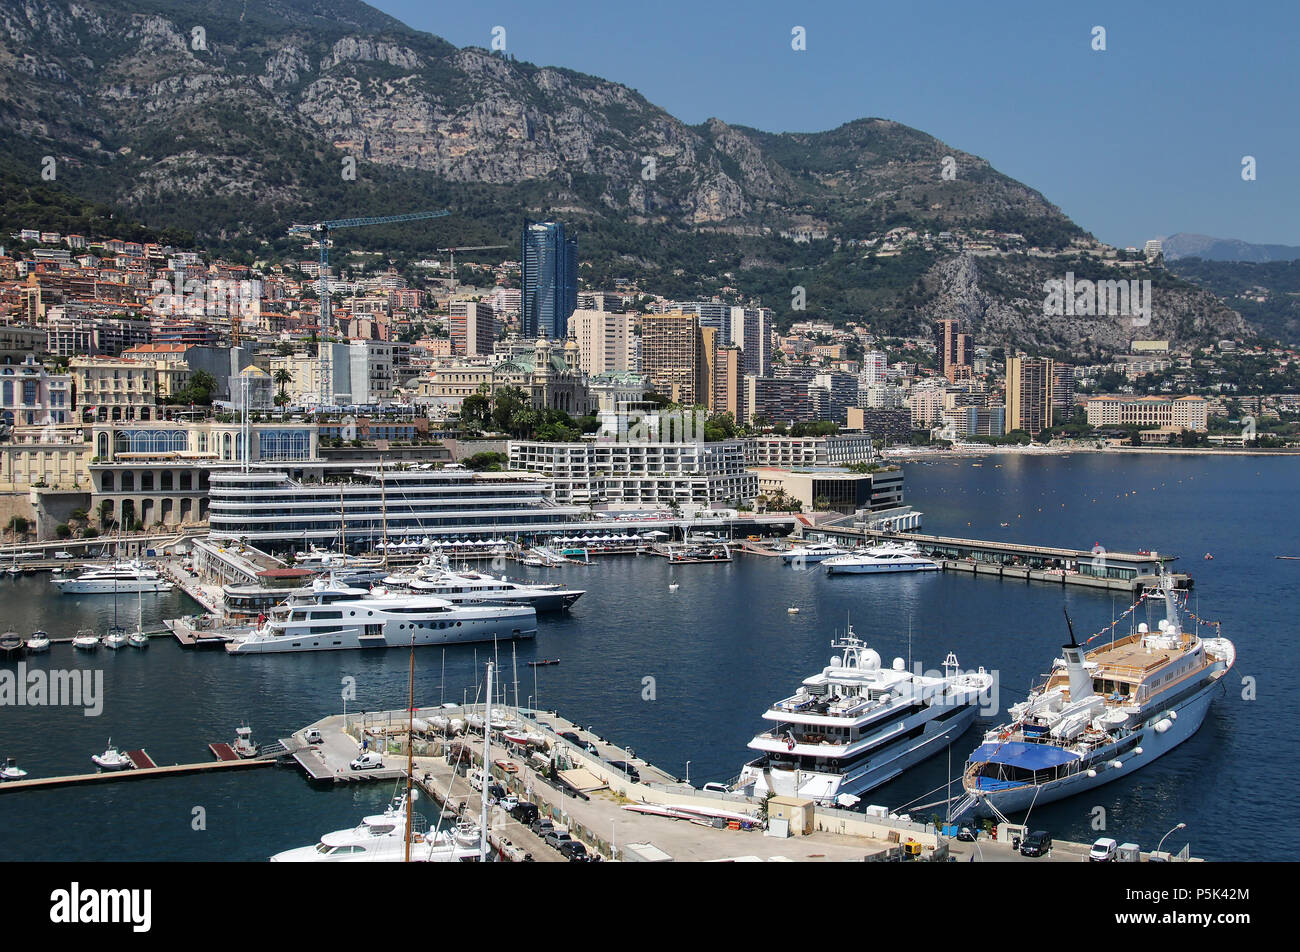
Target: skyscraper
column 672, row 357
column 953, row 347
column 1029, row 394
column 549, row 261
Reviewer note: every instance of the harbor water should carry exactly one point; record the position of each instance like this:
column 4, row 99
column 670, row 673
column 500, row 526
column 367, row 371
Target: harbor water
column 685, row 675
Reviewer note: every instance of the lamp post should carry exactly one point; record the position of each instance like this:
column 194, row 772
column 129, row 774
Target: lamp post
column 1180, row 826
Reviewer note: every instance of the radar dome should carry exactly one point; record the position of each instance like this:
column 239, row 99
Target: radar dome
column 869, row 659
column 899, row 664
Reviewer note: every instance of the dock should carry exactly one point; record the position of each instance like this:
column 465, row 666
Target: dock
column 136, row 773
column 1128, row 572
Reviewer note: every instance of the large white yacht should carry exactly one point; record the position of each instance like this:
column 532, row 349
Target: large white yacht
column 887, row 557
column 121, row 577
column 329, row 616
column 856, row 725
column 812, row 552
column 1100, row 715
column 468, row 587
column 382, row 839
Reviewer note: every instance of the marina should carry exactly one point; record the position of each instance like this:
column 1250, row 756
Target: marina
column 695, row 715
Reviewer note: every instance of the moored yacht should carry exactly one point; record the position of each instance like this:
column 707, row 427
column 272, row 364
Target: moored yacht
column 879, row 559
column 112, row 759
column 1101, row 714
column 468, row 587
column 812, row 552
column 119, row 578
column 330, row 617
column 382, row 838
column 856, row 725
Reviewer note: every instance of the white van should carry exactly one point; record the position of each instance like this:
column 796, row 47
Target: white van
column 1103, row 851
column 476, row 780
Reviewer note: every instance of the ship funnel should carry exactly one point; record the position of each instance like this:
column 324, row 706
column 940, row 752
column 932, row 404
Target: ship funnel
column 1080, row 680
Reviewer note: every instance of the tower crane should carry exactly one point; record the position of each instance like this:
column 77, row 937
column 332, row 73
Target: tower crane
column 321, row 230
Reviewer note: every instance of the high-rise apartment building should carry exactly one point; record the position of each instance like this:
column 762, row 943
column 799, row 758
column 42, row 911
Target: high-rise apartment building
column 953, row 348
column 1029, row 394
column 549, row 275
column 473, row 326
column 671, row 357
column 607, row 341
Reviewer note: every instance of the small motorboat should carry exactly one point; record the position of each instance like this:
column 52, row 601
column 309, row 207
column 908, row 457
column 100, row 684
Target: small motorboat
column 112, row 759
column 11, row 770
column 38, row 642
column 792, row 610
column 115, row 638
column 1208, row 557
column 672, row 586
column 11, row 646
column 543, row 663
column 243, row 744
column 85, row 640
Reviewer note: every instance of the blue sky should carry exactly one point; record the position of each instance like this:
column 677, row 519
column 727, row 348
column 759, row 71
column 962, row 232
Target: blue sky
column 1143, row 139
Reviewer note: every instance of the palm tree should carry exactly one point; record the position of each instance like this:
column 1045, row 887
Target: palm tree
column 282, row 377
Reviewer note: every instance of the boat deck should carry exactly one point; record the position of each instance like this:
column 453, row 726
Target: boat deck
column 140, row 759
column 223, row 752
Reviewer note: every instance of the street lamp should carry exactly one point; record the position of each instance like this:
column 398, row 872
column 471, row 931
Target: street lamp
column 1180, row 826
column 688, row 773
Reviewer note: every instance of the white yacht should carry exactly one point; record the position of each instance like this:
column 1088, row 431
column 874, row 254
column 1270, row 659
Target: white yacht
column 112, row 759
column 330, row 617
column 382, row 839
column 812, row 552
column 879, row 559
column 115, row 638
column 38, row 642
column 85, row 640
column 856, row 725
column 1101, row 714
column 121, row 578
column 11, row 770
column 468, row 587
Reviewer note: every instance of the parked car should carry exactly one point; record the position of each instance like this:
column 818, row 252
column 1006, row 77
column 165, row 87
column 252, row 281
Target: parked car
column 623, row 767
column 1038, row 843
column 496, row 791
column 476, row 780
column 573, row 851
column 508, row 802
column 554, row 838
column 965, row 835
column 62, row 555
column 525, row 813
column 541, row 826
column 312, row 736
column 716, row 787
column 370, row 760
column 1103, row 851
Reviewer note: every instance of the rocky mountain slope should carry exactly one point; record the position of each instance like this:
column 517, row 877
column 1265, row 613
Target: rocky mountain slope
column 231, row 120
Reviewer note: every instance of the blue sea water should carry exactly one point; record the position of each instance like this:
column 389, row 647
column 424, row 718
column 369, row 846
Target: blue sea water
column 719, row 650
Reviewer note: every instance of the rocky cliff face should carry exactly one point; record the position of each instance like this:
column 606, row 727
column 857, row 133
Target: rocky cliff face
column 234, row 119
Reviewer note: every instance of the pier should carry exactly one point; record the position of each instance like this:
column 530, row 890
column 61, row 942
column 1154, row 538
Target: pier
column 134, row 773
column 1128, row 572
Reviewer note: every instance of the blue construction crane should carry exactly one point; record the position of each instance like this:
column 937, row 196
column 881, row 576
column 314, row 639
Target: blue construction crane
column 321, row 230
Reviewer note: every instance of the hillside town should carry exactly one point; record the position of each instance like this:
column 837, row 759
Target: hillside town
column 119, row 356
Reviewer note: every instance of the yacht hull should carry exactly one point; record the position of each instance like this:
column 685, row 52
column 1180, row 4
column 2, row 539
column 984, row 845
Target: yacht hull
column 71, row 586
column 503, row 628
column 882, row 569
column 824, row 788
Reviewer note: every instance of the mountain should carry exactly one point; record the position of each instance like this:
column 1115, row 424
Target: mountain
column 1183, row 245
column 1266, row 294
column 231, row 121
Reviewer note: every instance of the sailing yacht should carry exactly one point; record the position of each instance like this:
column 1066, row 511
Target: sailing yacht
column 1101, row 714
column 856, row 725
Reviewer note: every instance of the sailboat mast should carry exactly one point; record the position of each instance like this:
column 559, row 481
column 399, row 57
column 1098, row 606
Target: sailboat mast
column 410, row 745
column 487, row 760
column 383, row 507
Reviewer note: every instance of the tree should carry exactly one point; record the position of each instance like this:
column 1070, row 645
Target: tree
column 282, row 377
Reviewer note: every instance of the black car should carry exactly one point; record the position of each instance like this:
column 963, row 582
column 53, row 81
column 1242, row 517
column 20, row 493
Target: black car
column 623, row 767
column 496, row 791
column 573, row 851
column 525, row 813
column 1038, row 843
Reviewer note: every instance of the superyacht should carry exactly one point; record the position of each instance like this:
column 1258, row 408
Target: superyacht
column 329, row 616
column 1101, row 714
column 856, row 725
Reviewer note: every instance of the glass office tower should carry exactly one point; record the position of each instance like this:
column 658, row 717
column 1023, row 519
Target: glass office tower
column 549, row 260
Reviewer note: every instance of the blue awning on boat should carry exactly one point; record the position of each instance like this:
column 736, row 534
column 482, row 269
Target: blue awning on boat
column 1016, row 753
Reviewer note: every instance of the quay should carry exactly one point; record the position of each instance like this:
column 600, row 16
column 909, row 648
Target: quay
column 1128, row 572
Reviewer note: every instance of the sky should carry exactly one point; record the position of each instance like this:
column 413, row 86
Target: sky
column 1142, row 139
